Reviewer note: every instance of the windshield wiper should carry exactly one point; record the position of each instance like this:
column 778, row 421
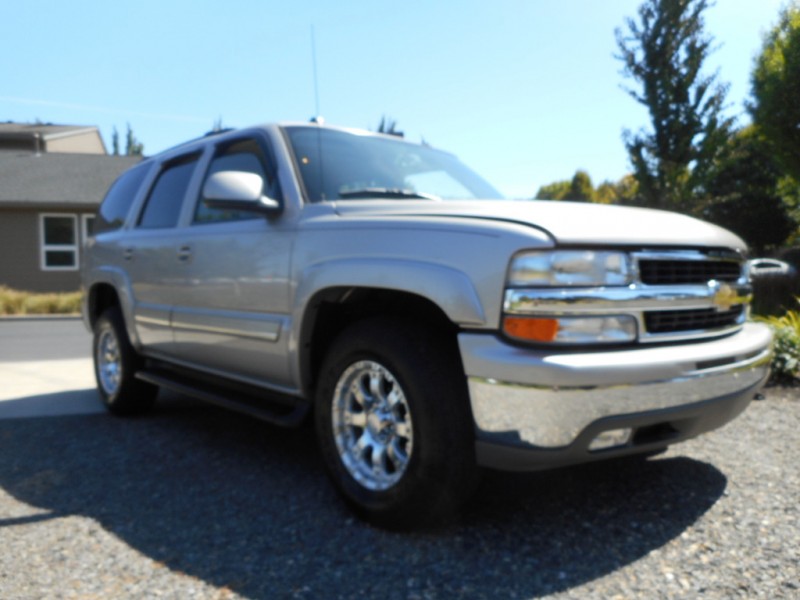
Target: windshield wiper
column 378, row 192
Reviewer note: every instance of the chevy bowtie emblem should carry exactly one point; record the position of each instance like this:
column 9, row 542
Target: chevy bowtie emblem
column 724, row 296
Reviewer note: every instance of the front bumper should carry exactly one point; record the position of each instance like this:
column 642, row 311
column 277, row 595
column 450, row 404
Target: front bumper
column 537, row 408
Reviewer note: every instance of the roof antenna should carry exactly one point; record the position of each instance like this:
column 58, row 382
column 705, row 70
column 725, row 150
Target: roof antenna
column 318, row 118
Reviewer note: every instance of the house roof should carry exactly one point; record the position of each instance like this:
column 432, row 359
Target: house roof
column 60, row 179
column 49, row 137
column 47, row 131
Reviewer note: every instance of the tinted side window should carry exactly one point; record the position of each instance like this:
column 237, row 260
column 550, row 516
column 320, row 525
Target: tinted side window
column 242, row 155
column 164, row 203
column 115, row 207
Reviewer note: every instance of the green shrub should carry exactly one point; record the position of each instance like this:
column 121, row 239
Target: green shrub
column 786, row 362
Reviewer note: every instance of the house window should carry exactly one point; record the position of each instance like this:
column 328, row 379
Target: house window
column 88, row 227
column 59, row 242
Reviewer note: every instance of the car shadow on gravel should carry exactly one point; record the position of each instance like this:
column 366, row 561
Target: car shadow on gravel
column 246, row 506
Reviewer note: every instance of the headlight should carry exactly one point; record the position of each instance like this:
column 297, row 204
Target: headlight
column 570, row 268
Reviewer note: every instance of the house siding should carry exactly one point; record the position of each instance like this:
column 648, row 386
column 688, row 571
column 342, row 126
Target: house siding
column 53, row 184
column 20, row 253
column 81, row 143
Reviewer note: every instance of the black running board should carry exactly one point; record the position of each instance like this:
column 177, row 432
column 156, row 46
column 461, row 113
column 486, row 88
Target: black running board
column 279, row 410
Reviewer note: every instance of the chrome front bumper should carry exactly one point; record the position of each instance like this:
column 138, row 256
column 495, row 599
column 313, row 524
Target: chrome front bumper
column 556, row 402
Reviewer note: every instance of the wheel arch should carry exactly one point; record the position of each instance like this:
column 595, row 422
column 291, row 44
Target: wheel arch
column 99, row 298
column 106, row 292
column 332, row 310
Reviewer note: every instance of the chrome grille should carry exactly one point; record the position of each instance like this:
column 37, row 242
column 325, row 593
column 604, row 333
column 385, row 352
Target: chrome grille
column 673, row 321
column 686, row 270
column 677, row 272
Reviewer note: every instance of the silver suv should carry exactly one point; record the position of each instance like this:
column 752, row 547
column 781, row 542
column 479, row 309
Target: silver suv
column 429, row 326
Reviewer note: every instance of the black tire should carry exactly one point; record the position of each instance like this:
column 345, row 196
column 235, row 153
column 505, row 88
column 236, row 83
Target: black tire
column 115, row 366
column 426, row 461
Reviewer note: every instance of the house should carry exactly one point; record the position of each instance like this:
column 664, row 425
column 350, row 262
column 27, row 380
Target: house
column 48, row 199
column 46, row 137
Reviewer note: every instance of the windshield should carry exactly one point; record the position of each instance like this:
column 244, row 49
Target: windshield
column 338, row 165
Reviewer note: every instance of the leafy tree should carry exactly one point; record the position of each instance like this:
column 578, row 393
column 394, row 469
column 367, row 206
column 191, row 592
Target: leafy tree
column 606, row 193
column 580, row 188
column 748, row 186
column 133, row 147
column 776, row 90
column 627, row 188
column 663, row 53
column 553, row 191
column 789, row 190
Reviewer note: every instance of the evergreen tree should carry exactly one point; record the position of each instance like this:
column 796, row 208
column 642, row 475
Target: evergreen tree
column 132, row 146
column 389, row 127
column 663, row 53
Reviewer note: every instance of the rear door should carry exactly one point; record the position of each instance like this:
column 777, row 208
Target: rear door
column 152, row 256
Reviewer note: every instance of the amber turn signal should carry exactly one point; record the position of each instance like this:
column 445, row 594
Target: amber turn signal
column 535, row 330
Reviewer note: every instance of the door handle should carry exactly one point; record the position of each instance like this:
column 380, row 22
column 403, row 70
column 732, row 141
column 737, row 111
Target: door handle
column 127, row 253
column 184, row 253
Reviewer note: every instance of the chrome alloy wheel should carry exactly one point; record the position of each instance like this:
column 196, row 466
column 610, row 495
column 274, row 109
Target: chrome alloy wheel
column 109, row 361
column 372, row 425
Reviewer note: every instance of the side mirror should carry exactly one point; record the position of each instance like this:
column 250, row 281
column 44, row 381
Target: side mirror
column 238, row 190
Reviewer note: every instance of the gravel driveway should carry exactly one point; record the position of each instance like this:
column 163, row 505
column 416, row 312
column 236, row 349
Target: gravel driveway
column 194, row 502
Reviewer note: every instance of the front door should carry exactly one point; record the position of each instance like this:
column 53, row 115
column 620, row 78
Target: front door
column 231, row 308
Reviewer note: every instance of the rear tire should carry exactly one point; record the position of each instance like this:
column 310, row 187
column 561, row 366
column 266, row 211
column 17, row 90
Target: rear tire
column 393, row 422
column 115, row 366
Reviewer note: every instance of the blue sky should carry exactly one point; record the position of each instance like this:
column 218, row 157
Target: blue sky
column 525, row 92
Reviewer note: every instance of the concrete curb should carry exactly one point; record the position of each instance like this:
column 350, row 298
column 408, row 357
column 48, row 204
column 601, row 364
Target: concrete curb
column 69, row 317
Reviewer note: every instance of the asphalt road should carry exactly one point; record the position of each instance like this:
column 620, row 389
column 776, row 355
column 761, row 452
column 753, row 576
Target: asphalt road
column 195, row 502
column 43, row 338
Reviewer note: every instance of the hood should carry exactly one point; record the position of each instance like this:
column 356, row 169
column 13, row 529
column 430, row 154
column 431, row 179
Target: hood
column 569, row 223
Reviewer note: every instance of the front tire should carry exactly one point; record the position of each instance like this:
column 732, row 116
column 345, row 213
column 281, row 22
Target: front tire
column 115, row 366
column 393, row 423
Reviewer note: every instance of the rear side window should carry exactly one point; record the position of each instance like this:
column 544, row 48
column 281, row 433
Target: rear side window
column 115, row 207
column 163, row 205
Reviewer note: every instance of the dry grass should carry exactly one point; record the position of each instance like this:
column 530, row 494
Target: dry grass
column 15, row 302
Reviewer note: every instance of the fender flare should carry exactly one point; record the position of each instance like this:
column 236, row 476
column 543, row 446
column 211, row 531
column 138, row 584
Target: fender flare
column 449, row 289
column 115, row 278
